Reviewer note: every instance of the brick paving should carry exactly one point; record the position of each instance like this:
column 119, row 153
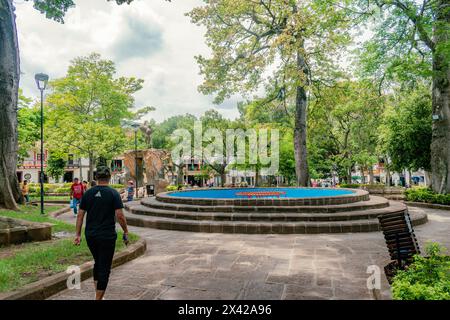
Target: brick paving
column 187, row 265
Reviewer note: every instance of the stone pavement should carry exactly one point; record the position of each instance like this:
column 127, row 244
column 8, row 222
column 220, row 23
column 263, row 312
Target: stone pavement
column 187, row 265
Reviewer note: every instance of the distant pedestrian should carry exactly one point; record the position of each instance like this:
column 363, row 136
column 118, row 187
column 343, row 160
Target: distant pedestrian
column 130, row 191
column 102, row 206
column 85, row 185
column 93, row 183
column 26, row 191
column 76, row 193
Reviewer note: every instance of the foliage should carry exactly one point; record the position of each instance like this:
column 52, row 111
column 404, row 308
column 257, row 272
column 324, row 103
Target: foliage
column 427, row 278
column 32, row 261
column 163, row 130
column 55, row 165
column 405, row 134
column 426, row 195
column 342, row 126
column 28, row 127
column 86, row 107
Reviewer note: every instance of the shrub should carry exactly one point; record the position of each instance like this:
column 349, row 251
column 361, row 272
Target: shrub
column 426, row 195
column 117, row 186
column 171, row 188
column 427, row 278
column 62, row 190
column 350, row 185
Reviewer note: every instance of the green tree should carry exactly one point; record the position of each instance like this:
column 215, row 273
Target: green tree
column 406, row 131
column 294, row 41
column 411, row 39
column 56, row 164
column 343, row 126
column 86, row 107
column 28, row 128
column 9, row 88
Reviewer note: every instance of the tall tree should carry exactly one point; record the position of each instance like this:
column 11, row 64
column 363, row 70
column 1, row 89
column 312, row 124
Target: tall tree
column 344, row 124
column 9, row 86
column 405, row 133
column 293, row 41
column 414, row 35
column 85, row 109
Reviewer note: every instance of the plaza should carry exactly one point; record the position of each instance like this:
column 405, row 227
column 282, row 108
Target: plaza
column 188, row 265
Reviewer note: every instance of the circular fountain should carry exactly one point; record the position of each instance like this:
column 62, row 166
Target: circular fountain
column 265, row 210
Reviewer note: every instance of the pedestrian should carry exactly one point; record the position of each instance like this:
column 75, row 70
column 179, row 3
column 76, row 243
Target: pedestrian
column 130, row 191
column 85, row 185
column 76, row 192
column 93, row 183
column 102, row 206
column 26, row 191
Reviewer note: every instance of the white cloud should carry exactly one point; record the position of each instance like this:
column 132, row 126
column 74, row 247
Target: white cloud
column 152, row 40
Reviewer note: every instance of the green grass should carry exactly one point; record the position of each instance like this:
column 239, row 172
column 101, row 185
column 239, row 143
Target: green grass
column 29, row 262
column 31, row 213
column 47, row 198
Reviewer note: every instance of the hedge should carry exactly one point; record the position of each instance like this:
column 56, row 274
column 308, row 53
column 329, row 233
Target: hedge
column 426, row 195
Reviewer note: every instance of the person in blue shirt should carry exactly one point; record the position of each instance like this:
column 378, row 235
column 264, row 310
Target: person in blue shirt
column 130, row 191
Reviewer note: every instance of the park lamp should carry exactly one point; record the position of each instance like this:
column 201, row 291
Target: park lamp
column 41, row 81
column 130, row 124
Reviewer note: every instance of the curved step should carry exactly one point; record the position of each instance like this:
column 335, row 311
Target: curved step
column 256, row 227
column 258, row 216
column 373, row 203
column 356, row 196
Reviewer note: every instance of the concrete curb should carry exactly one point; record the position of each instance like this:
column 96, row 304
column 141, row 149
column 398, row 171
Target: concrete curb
column 59, row 212
column 43, row 289
column 427, row 205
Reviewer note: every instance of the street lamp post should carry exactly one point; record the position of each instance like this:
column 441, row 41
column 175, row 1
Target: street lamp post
column 135, row 126
column 135, row 160
column 41, row 82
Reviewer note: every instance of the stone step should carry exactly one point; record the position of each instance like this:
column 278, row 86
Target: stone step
column 373, row 203
column 257, row 227
column 357, row 195
column 258, row 216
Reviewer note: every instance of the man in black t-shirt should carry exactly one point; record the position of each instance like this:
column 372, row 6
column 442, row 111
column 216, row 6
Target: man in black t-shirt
column 102, row 205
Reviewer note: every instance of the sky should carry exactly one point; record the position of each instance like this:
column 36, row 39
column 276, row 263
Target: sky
column 149, row 39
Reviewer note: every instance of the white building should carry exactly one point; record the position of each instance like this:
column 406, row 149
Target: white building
column 30, row 169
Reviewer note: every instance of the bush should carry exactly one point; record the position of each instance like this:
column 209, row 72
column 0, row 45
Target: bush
column 61, row 190
column 427, row 278
column 350, row 185
column 426, row 195
column 117, row 186
column 174, row 188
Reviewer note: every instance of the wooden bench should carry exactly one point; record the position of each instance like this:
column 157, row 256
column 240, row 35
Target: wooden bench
column 400, row 239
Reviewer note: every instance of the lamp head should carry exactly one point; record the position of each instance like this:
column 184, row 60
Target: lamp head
column 41, row 80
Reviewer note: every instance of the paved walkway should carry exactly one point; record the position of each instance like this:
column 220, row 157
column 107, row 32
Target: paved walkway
column 185, row 265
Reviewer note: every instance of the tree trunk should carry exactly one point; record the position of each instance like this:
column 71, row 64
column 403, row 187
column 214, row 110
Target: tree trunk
column 363, row 177
column 91, row 167
column 440, row 145
column 388, row 177
column 180, row 175
column 427, row 180
column 301, row 105
column 9, row 86
column 257, row 176
column 371, row 177
column 223, row 177
column 349, row 175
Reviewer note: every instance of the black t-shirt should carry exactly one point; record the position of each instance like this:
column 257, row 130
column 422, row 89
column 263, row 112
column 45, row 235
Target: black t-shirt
column 100, row 204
